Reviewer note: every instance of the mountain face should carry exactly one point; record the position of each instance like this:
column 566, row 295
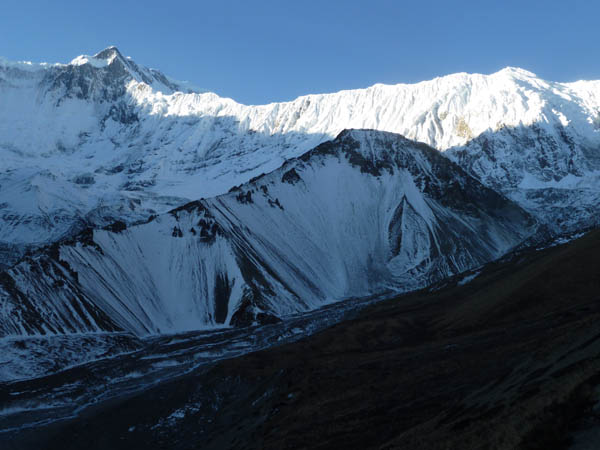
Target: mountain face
column 365, row 213
column 48, row 113
column 103, row 139
column 548, row 169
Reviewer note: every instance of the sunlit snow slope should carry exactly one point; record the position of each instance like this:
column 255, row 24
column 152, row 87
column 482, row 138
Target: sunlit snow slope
column 102, row 138
column 367, row 212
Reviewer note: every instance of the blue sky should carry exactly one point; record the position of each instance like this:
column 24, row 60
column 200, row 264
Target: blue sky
column 263, row 51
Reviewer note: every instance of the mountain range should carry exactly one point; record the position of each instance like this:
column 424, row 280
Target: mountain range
column 134, row 203
column 103, row 139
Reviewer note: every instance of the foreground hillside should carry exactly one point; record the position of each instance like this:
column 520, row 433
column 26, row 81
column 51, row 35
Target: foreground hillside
column 508, row 360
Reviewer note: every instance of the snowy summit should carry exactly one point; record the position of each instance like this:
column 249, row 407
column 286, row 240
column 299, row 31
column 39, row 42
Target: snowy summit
column 103, row 138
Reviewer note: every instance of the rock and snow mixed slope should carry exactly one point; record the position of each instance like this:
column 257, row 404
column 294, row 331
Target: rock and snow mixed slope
column 367, row 212
column 103, row 138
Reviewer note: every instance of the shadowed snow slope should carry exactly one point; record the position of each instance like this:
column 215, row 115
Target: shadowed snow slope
column 367, row 212
column 103, row 138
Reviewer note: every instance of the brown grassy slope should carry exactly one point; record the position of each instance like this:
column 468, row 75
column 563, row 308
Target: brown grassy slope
column 484, row 365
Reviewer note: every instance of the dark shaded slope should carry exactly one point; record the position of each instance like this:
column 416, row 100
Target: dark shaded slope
column 510, row 360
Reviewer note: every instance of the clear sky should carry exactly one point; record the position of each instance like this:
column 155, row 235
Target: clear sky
column 262, row 51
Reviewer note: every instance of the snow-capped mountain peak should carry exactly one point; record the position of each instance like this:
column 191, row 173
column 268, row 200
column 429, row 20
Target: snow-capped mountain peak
column 100, row 59
column 516, row 72
column 109, row 53
column 104, row 138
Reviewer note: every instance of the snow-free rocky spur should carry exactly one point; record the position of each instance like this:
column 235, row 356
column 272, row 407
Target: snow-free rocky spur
column 103, row 139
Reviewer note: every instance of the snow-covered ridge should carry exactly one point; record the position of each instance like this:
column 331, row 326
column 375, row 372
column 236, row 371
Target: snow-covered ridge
column 77, row 61
column 101, row 60
column 25, row 65
column 443, row 112
column 365, row 213
column 105, row 138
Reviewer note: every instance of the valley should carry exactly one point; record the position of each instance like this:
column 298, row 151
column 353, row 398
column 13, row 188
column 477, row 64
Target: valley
column 507, row 359
column 400, row 266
